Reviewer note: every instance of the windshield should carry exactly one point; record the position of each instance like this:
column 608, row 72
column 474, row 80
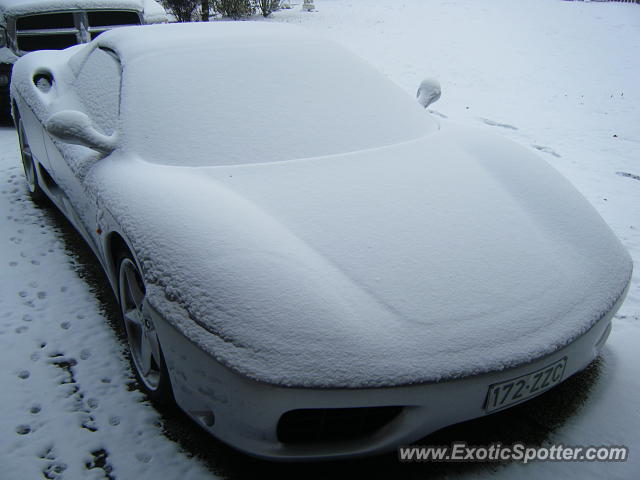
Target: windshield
column 236, row 105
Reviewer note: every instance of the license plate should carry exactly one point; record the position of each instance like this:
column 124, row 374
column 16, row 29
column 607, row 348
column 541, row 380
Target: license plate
column 504, row 394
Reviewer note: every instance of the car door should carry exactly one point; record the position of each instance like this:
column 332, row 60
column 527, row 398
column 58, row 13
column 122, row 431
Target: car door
column 95, row 91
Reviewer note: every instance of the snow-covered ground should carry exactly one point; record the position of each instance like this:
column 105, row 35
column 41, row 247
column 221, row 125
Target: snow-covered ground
column 558, row 77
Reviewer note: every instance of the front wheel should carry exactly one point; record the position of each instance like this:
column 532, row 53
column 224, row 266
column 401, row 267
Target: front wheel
column 29, row 164
column 144, row 348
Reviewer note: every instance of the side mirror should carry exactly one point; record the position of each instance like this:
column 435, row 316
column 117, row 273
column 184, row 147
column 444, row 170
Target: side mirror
column 75, row 127
column 428, row 92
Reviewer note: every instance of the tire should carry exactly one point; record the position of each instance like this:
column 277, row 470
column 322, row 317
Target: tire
column 145, row 352
column 29, row 164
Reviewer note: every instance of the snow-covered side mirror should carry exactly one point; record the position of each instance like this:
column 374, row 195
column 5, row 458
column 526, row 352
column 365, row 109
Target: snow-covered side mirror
column 428, row 92
column 75, row 127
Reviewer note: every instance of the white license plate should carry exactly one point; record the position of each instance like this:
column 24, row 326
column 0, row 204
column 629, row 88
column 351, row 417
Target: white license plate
column 504, row 394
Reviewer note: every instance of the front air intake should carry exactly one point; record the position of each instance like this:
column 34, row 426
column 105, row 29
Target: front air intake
column 317, row 425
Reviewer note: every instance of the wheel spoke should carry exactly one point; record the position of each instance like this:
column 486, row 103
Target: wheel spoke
column 136, row 293
column 29, row 173
column 155, row 347
column 27, row 157
column 132, row 317
column 145, row 354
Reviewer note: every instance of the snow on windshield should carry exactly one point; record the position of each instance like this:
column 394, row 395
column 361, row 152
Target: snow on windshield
column 262, row 103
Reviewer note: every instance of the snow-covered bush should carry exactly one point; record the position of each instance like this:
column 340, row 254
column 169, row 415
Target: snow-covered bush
column 266, row 7
column 183, row 10
column 233, row 8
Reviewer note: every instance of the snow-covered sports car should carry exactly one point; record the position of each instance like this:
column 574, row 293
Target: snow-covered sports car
column 307, row 262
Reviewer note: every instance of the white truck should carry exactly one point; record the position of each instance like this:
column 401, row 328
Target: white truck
column 28, row 25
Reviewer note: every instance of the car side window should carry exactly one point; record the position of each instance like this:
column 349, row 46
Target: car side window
column 98, row 87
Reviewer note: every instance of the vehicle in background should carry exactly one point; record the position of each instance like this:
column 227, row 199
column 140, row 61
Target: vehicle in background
column 27, row 25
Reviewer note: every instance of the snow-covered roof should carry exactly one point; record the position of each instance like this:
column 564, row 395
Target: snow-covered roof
column 258, row 92
column 130, row 42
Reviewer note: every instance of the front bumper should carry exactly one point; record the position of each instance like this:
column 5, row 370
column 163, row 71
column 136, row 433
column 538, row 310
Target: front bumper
column 245, row 413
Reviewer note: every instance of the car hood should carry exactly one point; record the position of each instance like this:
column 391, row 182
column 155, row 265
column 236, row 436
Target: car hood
column 448, row 256
column 24, row 7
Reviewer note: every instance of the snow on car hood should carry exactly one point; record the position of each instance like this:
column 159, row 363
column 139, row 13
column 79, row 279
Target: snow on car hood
column 23, row 7
column 447, row 256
